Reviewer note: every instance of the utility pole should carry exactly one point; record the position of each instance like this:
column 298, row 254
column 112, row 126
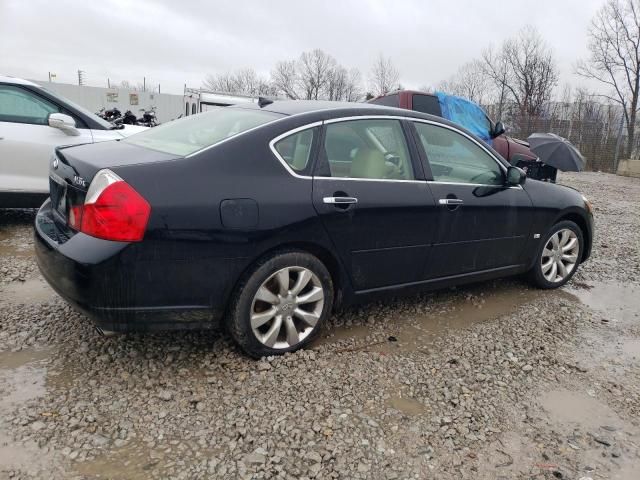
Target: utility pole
column 144, row 84
column 108, row 83
column 81, row 77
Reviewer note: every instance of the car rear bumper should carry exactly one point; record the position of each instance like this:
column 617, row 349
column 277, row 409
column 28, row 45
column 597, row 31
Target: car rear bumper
column 101, row 279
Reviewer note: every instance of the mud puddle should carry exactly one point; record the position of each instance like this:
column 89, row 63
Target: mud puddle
column 601, row 443
column 616, row 302
column 616, row 346
column 446, row 311
column 23, row 377
column 407, row 405
column 33, row 290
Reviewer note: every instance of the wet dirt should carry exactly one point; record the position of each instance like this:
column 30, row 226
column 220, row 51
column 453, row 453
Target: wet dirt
column 33, row 290
column 408, row 406
column 23, row 377
column 450, row 310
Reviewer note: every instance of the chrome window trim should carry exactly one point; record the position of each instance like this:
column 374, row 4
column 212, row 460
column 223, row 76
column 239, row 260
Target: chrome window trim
column 272, row 146
column 371, row 117
column 516, row 187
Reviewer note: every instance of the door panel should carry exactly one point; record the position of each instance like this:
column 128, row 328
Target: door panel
column 385, row 237
column 487, row 230
column 379, row 217
column 25, row 152
column 482, row 224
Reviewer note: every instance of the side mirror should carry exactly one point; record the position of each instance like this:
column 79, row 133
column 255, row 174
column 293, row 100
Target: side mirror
column 63, row 122
column 515, row 176
column 498, row 130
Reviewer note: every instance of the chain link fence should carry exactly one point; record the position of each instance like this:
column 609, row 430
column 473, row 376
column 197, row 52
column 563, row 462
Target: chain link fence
column 597, row 130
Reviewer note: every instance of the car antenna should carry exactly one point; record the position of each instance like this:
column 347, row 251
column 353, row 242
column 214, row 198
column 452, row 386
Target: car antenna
column 263, row 102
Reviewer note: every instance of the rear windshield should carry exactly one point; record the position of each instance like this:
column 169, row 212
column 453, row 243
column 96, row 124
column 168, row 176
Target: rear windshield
column 193, row 133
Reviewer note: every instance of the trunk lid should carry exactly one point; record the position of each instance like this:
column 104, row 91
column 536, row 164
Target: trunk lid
column 73, row 168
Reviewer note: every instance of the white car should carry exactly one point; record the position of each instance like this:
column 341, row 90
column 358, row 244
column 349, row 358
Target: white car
column 33, row 121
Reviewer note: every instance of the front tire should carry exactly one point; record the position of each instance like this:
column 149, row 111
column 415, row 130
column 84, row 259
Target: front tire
column 558, row 256
column 281, row 305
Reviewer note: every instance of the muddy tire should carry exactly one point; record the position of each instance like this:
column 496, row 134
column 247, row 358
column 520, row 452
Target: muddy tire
column 558, row 256
column 280, row 305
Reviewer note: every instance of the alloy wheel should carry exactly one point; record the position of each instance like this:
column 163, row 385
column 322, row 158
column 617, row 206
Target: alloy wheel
column 287, row 307
column 560, row 255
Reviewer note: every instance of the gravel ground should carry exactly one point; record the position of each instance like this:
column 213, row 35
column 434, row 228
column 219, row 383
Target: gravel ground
column 488, row 381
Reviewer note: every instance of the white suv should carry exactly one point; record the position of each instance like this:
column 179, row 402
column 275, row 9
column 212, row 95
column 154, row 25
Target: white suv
column 33, row 121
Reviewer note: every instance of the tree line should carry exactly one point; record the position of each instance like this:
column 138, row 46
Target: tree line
column 518, row 78
column 314, row 75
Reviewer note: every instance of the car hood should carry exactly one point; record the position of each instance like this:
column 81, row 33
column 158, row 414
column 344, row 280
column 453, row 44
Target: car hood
column 129, row 130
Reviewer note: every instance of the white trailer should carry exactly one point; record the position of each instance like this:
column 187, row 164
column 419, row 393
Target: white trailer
column 198, row 100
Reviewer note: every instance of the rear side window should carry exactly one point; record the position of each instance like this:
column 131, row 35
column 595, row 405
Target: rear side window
column 295, row 149
column 190, row 134
column 368, row 149
column 388, row 100
column 426, row 104
column 18, row 105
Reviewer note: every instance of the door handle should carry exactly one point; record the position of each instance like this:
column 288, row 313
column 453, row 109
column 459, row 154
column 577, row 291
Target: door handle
column 340, row 200
column 450, row 201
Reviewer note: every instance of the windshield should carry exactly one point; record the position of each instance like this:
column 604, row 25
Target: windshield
column 193, row 133
column 81, row 109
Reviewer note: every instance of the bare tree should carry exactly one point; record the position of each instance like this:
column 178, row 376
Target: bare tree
column 353, row 86
column 614, row 45
column 469, row 82
column 314, row 72
column 284, row 78
column 245, row 82
column 524, row 70
column 384, row 76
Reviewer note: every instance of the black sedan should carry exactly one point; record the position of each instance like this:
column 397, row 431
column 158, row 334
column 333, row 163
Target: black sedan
column 263, row 218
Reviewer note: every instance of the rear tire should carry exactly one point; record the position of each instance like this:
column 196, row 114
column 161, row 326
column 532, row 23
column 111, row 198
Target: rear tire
column 558, row 255
column 281, row 304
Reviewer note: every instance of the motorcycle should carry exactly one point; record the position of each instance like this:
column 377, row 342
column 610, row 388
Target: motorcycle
column 111, row 115
column 148, row 117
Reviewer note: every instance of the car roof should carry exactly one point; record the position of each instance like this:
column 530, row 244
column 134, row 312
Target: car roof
column 299, row 107
column 16, row 81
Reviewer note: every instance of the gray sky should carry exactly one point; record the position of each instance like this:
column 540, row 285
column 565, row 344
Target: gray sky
column 178, row 42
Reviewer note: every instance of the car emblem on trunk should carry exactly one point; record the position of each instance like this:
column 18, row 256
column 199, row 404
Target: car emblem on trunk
column 77, row 180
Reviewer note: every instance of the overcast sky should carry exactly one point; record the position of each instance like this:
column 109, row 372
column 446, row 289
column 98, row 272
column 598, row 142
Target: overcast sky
column 177, row 42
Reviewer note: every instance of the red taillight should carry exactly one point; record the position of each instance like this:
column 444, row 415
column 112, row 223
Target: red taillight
column 113, row 210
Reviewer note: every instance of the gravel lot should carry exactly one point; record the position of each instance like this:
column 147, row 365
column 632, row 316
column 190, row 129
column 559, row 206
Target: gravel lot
column 497, row 380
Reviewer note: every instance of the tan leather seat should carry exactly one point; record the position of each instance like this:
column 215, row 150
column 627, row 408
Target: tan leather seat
column 368, row 163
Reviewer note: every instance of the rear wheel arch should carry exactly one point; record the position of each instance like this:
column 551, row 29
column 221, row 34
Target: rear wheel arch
column 323, row 254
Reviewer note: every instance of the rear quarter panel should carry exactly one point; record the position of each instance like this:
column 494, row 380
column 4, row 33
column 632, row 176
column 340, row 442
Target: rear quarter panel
column 194, row 258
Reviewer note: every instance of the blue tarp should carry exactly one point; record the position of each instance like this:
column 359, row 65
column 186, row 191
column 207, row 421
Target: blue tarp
column 465, row 113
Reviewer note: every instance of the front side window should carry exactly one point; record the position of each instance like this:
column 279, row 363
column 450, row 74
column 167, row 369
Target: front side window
column 195, row 132
column 296, row 149
column 456, row 159
column 18, row 105
column 373, row 149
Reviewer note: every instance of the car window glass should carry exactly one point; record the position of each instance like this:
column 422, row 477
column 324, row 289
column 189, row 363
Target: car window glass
column 21, row 106
column 454, row 158
column 374, row 149
column 189, row 134
column 296, row 149
column 426, row 104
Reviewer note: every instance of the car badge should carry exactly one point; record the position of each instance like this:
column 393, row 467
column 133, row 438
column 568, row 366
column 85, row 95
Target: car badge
column 55, row 164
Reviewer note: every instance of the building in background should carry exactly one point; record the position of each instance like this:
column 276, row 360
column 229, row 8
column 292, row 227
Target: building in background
column 168, row 106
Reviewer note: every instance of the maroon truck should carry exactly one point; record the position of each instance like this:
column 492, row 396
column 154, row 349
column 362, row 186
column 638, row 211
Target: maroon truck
column 515, row 151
